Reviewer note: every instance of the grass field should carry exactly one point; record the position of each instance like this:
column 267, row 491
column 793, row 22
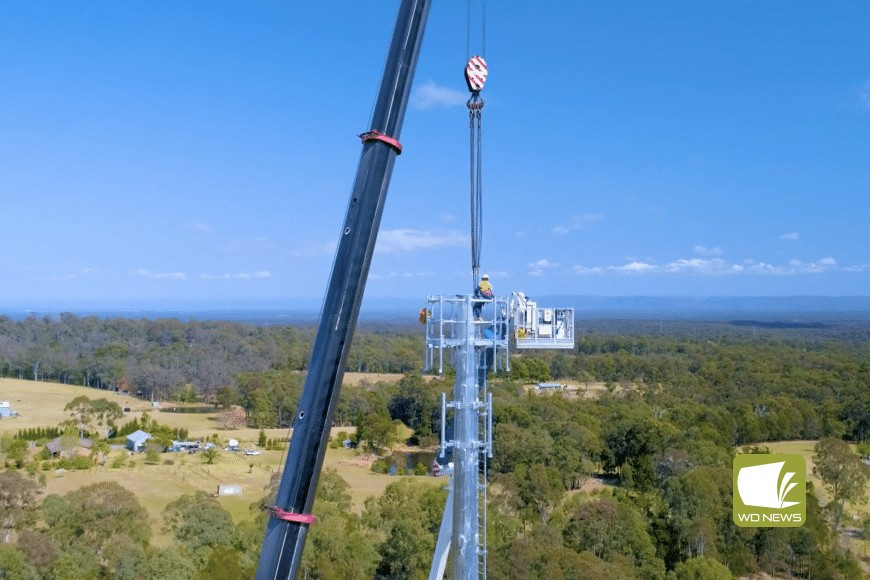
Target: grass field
column 857, row 511
column 575, row 390
column 805, row 448
column 41, row 405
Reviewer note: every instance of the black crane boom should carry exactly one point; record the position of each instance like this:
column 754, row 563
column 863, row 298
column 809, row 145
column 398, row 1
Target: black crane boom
column 285, row 538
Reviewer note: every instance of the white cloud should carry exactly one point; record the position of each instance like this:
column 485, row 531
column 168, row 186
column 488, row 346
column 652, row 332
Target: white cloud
column 142, row 273
column 403, row 240
column 578, row 222
column 791, row 236
column 795, row 267
column 705, row 251
column 408, row 240
column 537, row 268
column 857, row 268
column 634, row 267
column 701, row 266
column 720, row 267
column 430, row 96
column 259, row 275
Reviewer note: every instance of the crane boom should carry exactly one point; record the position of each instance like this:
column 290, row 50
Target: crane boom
column 285, row 534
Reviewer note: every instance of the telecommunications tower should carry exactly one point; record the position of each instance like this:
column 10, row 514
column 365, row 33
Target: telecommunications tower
column 473, row 334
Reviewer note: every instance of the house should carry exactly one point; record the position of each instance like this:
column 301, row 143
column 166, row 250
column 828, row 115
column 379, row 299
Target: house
column 233, row 445
column 5, row 409
column 136, row 440
column 71, row 446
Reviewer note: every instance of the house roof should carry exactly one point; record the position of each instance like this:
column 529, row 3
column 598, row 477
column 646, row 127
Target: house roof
column 139, row 436
column 54, row 445
column 4, row 404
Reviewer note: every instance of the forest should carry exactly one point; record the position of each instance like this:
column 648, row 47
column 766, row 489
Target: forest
column 635, row 482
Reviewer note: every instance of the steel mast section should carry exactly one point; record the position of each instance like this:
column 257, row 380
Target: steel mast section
column 285, row 534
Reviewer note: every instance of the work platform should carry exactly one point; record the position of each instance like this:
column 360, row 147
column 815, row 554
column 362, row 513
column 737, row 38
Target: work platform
column 541, row 328
column 445, row 320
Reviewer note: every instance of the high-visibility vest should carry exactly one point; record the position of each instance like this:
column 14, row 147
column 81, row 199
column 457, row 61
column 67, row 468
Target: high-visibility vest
column 485, row 289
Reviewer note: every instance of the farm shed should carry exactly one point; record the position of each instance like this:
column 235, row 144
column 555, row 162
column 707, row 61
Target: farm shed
column 233, row 489
column 5, row 409
column 136, row 440
column 546, row 386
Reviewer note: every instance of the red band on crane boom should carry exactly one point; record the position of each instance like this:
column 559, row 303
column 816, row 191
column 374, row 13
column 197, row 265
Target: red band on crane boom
column 277, row 512
column 378, row 136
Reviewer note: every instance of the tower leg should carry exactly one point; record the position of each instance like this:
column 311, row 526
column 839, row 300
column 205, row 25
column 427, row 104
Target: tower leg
column 442, row 547
column 464, row 544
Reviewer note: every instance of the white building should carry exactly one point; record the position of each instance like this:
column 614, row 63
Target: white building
column 5, row 409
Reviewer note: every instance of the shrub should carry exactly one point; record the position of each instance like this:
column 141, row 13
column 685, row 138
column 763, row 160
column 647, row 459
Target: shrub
column 152, row 455
column 118, row 461
column 381, row 466
column 77, row 462
column 168, row 462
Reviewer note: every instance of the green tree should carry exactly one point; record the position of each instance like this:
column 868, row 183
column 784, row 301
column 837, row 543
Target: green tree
column 378, row 431
column 333, row 489
column 14, row 565
column 338, row 546
column 200, row 524
column 105, row 412
column 81, row 412
column 405, row 522
column 76, row 564
column 542, row 555
column 610, row 529
column 13, row 450
column 85, row 412
column 152, row 454
column 535, row 489
column 95, row 515
column 843, row 474
column 172, row 563
column 210, row 455
column 701, row 568
column 223, row 564
column 39, row 549
column 17, row 503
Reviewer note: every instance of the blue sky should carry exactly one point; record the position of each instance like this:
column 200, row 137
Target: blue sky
column 204, row 151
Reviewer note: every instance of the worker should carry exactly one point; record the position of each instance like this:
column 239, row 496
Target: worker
column 483, row 290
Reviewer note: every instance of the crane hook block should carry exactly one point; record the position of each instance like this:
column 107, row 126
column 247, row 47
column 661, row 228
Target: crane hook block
column 475, row 73
column 378, row 136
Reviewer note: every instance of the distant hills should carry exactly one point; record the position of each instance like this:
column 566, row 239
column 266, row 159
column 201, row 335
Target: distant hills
column 787, row 310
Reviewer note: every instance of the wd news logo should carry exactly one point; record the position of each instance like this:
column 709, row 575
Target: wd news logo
column 770, row 490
